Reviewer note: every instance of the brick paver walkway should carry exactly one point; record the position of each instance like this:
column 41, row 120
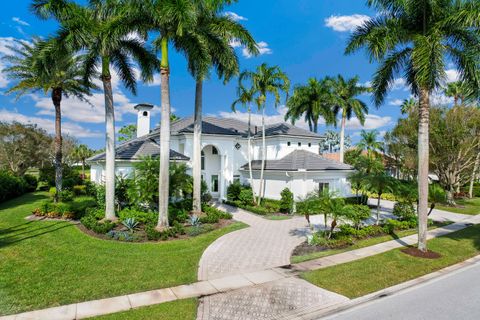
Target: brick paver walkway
column 263, row 245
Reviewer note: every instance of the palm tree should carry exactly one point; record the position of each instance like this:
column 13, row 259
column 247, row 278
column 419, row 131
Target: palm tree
column 81, row 153
column 45, row 65
column 408, row 105
column 379, row 183
column 344, row 93
column 312, row 101
column 246, row 96
column 456, row 91
column 103, row 30
column 209, row 44
column 332, row 139
column 266, row 80
column 369, row 142
column 416, row 38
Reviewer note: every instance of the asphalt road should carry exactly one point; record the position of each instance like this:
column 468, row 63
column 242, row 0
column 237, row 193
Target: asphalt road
column 454, row 296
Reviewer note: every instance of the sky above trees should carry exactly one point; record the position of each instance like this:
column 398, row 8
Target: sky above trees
column 306, row 38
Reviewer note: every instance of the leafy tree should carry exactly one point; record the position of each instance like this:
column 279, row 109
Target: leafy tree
column 344, row 99
column 81, row 153
column 127, row 132
column 266, row 81
column 103, row 30
column 45, row 65
column 23, row 147
column 312, row 102
column 286, row 201
column 416, row 38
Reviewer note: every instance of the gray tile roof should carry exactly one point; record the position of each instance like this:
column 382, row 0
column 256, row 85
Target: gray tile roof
column 300, row 160
column 138, row 148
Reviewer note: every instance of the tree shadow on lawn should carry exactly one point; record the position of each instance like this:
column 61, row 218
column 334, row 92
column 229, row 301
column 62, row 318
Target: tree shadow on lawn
column 25, row 199
column 32, row 233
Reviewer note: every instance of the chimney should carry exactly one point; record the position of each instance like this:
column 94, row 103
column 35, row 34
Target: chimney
column 143, row 118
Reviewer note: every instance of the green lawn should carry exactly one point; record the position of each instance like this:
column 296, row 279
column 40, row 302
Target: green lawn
column 175, row 310
column 464, row 206
column 51, row 263
column 358, row 278
column 359, row 244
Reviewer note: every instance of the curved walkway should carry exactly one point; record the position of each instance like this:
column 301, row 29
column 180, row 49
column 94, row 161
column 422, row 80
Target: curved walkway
column 265, row 244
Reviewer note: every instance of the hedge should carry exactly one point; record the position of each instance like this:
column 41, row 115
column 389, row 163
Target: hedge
column 12, row 186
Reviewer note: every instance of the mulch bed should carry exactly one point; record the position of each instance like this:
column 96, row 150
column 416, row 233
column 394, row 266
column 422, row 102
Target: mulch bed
column 414, row 252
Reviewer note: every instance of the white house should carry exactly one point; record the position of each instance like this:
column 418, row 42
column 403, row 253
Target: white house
column 292, row 155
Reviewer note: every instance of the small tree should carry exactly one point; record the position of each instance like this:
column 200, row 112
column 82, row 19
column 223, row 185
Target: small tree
column 286, row 202
column 356, row 214
column 309, row 205
column 379, row 183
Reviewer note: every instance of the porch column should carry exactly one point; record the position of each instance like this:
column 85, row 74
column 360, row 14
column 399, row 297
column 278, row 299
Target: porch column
column 221, row 178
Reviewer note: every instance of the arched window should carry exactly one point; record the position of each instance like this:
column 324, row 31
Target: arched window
column 214, row 150
column 203, row 160
column 145, row 113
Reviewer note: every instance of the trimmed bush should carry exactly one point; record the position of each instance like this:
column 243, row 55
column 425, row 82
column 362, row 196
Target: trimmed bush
column 92, row 222
column 11, row 186
column 404, row 210
column 286, row 202
column 31, row 181
column 80, row 190
column 246, row 197
column 357, row 213
column 233, row 191
column 140, row 216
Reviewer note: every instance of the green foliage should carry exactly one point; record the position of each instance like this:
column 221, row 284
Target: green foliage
column 92, row 221
column 356, row 213
column 66, row 195
column 233, row 191
column 79, row 190
column 286, row 202
column 436, row 194
column 70, row 176
column 213, row 215
column 404, row 210
column 11, row 186
column 131, row 224
column 246, row 197
column 31, row 181
column 149, row 217
column 127, row 133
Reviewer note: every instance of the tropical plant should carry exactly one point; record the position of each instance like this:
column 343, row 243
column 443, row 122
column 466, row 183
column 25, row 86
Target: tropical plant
column 417, row 38
column 81, row 153
column 131, row 224
column 286, row 201
column 309, row 205
column 379, row 183
column 312, row 102
column 45, row 65
column 356, row 214
column 344, row 99
column 457, row 91
column 369, row 142
column 266, row 81
column 408, row 105
column 103, row 30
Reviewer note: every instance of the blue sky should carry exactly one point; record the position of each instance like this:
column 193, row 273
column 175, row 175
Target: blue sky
column 306, row 38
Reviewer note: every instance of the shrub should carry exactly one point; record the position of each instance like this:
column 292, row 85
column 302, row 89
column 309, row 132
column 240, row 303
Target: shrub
column 70, row 176
column 404, row 210
column 11, row 186
column 131, row 224
column 149, row 217
column 80, row 190
column 155, row 235
column 176, row 214
column 92, row 221
column 31, row 182
column 246, row 197
column 392, row 225
column 120, row 235
column 52, row 191
column 66, row 195
column 286, row 202
column 233, row 191
column 356, row 213
column 80, row 205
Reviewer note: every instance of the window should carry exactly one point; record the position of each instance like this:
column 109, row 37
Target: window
column 203, row 160
column 288, row 143
column 214, row 150
column 236, row 178
column 309, row 144
column 214, row 183
column 323, row 186
column 145, row 113
column 299, row 144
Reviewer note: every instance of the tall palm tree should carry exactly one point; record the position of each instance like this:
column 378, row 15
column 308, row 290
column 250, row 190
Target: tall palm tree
column 45, row 65
column 369, row 143
column 344, row 99
column 408, row 105
column 246, row 97
column 266, row 81
column 312, row 101
column 456, row 91
column 103, row 30
column 209, row 45
column 416, row 37
column 81, row 153
column 332, row 139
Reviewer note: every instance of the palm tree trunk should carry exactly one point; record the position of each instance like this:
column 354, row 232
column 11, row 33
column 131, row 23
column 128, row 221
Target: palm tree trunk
column 163, row 181
column 423, row 160
column 474, row 175
column 57, row 98
column 342, row 136
column 378, row 208
column 249, row 152
column 109, row 142
column 262, row 187
column 197, row 149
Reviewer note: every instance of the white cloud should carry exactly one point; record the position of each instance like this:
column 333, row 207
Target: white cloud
column 20, row 21
column 70, row 128
column 452, row 75
column 156, row 81
column 399, row 84
column 234, row 16
column 346, row 23
column 440, row 99
column 396, row 102
column 262, row 49
column 372, row 121
column 235, row 43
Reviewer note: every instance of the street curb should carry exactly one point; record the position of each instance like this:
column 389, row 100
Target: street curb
column 437, row 275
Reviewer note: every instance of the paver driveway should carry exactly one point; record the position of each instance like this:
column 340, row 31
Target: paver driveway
column 265, row 244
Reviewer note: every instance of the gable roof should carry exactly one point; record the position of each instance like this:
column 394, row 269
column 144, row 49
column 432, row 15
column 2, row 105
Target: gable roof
column 299, row 160
column 234, row 127
column 137, row 148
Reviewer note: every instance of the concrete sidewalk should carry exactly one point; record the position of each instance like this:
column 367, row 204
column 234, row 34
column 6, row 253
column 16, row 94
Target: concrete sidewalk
column 226, row 284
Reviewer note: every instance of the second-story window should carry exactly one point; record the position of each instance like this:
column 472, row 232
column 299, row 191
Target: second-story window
column 299, row 144
column 309, row 144
column 288, row 143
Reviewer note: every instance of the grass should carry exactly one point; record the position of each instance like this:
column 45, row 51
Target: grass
column 50, row 263
column 277, row 217
column 359, row 244
column 174, row 310
column 361, row 277
column 464, row 206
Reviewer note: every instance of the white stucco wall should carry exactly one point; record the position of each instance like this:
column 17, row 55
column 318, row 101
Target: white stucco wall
column 97, row 171
column 277, row 147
